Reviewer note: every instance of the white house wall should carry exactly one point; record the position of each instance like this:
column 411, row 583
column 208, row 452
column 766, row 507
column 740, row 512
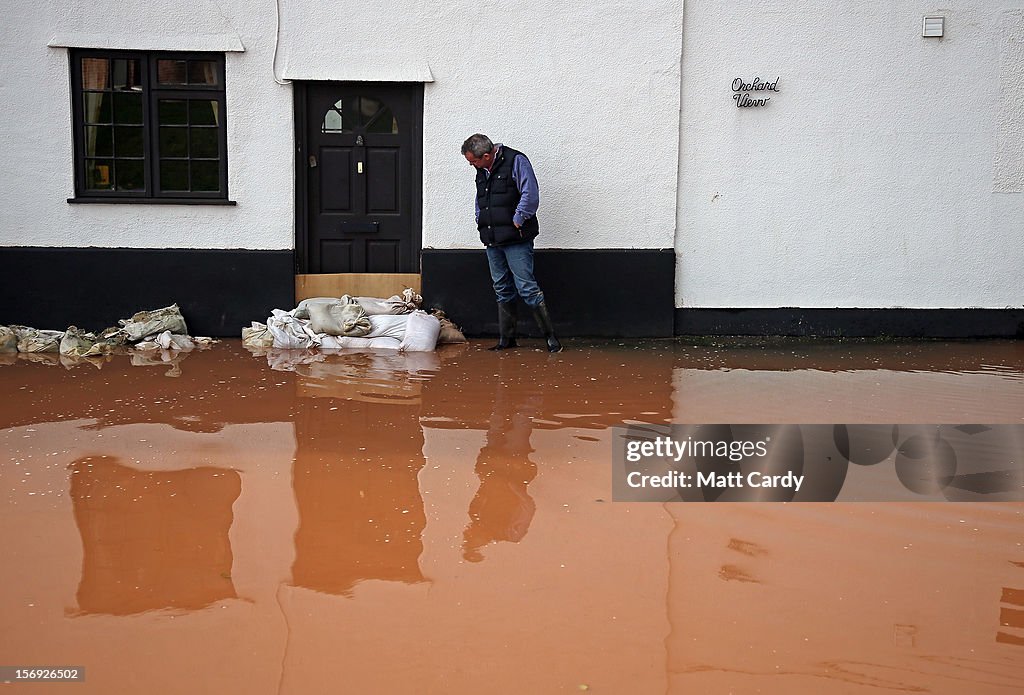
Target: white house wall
column 590, row 92
column 887, row 171
column 37, row 142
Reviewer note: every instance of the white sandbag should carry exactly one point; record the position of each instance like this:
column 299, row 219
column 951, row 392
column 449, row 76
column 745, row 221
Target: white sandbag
column 170, row 341
column 8, row 340
column 77, row 343
column 257, row 336
column 145, row 323
column 302, row 310
column 291, row 333
column 339, row 318
column 404, row 303
column 388, row 326
column 40, row 341
column 342, row 342
column 421, row 332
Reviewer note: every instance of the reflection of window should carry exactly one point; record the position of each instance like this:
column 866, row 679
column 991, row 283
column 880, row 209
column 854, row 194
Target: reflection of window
column 149, row 125
column 359, row 115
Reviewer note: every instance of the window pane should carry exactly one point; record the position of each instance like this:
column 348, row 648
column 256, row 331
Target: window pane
column 204, row 142
column 202, row 72
column 98, row 174
column 367, row 108
column 173, row 112
column 341, row 117
column 97, row 107
column 94, row 73
column 99, row 141
column 202, row 112
column 130, row 175
column 173, row 141
column 127, row 75
column 333, row 123
column 127, row 142
column 171, row 71
column 385, row 122
column 205, row 176
column 173, row 176
column 127, row 107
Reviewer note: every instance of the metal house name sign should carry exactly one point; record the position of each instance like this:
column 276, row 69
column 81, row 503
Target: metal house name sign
column 741, row 92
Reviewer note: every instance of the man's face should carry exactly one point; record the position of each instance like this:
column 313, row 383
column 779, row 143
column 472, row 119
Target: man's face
column 483, row 162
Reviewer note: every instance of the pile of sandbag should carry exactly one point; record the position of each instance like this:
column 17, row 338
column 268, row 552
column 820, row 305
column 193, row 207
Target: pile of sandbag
column 345, row 322
column 157, row 329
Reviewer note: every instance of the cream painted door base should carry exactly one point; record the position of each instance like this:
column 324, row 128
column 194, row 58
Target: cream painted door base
column 355, row 284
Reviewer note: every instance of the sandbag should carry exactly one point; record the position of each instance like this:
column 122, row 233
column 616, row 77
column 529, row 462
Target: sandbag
column 257, row 336
column 450, row 333
column 404, row 303
column 332, row 342
column 421, row 332
column 171, row 341
column 146, row 323
column 77, row 343
column 388, row 326
column 8, row 340
column 302, row 310
column 339, row 319
column 40, row 341
column 291, row 333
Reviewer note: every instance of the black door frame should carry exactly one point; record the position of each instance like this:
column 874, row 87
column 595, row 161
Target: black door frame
column 301, row 90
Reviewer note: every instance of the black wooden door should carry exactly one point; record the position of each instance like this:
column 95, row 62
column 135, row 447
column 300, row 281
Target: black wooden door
column 361, row 159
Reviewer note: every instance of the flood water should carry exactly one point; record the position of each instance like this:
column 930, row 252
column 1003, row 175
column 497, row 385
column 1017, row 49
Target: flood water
column 443, row 523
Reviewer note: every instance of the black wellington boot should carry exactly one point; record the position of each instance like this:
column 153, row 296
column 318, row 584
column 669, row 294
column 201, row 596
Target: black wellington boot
column 506, row 326
column 540, row 312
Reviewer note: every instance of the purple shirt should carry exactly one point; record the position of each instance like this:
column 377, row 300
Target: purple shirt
column 525, row 181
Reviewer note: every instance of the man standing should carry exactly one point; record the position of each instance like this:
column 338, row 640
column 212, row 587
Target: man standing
column 507, row 198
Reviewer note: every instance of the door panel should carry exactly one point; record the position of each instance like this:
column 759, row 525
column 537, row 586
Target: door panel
column 361, row 178
column 384, row 184
column 335, row 183
column 383, row 254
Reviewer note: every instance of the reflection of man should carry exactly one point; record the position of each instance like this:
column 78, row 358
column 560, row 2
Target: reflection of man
column 507, row 198
column 502, row 508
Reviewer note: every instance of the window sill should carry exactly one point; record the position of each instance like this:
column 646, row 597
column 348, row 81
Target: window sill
column 153, row 201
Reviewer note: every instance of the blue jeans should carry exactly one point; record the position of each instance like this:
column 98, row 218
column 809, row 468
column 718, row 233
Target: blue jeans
column 512, row 273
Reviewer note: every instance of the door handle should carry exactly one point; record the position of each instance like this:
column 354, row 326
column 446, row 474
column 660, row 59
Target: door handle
column 359, row 168
column 312, row 161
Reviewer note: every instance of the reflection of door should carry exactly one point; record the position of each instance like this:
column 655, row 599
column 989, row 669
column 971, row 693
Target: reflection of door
column 359, row 166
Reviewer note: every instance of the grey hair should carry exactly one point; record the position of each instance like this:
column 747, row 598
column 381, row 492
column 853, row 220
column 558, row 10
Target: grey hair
column 478, row 144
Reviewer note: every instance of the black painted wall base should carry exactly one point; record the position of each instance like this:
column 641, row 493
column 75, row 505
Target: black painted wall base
column 852, row 323
column 625, row 293
column 219, row 291
column 589, row 292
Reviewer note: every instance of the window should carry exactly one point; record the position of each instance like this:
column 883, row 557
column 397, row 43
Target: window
column 149, row 127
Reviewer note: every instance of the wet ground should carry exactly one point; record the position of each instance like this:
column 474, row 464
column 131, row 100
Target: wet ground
column 443, row 523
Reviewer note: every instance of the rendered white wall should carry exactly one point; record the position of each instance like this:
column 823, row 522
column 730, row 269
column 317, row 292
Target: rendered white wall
column 590, row 92
column 37, row 142
column 886, row 173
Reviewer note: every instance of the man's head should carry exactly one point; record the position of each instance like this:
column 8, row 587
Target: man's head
column 479, row 151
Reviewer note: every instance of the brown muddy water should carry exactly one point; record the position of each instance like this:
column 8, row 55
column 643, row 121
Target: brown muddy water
column 443, row 523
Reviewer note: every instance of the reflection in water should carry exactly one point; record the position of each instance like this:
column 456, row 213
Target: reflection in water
column 1011, row 615
column 152, row 539
column 502, row 508
column 361, row 514
column 621, row 598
